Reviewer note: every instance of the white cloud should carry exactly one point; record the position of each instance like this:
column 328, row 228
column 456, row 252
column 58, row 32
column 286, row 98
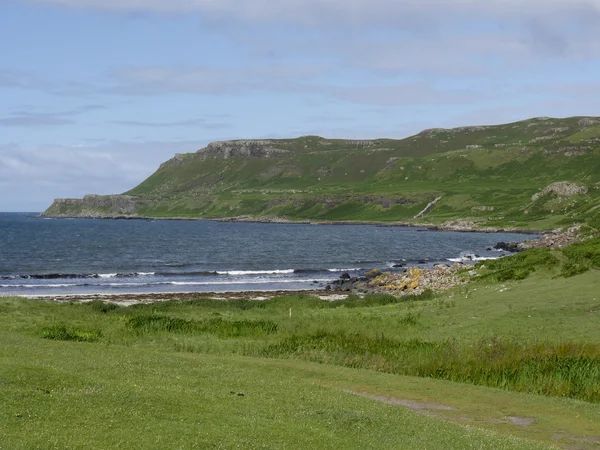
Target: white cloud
column 37, row 174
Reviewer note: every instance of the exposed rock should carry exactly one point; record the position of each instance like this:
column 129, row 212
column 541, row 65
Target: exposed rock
column 459, row 225
column 431, row 131
column 372, row 274
column 542, row 138
column 563, row 189
column 247, row 149
column 93, row 206
column 557, row 239
column 512, row 247
column 390, row 164
column 483, row 208
column 589, row 121
column 428, row 208
column 413, row 281
column 324, row 171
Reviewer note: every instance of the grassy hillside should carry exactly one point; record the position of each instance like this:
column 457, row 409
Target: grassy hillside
column 486, row 175
column 489, row 365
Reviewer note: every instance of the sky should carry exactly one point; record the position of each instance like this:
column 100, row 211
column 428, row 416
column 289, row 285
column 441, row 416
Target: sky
column 95, row 94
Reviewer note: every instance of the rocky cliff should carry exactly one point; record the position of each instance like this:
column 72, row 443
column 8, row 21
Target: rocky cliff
column 94, row 206
column 247, row 149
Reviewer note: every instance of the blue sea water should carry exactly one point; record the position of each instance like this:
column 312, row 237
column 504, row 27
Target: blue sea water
column 41, row 256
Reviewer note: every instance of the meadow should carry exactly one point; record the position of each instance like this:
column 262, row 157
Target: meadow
column 511, row 360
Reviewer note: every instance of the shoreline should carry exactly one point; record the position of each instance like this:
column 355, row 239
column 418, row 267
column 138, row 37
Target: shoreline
column 156, row 297
column 458, row 226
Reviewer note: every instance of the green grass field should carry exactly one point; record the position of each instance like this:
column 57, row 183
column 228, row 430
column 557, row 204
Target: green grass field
column 494, row 364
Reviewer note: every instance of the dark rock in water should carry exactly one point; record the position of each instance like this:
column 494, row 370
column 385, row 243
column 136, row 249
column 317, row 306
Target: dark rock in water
column 315, row 282
column 512, row 247
column 328, row 287
column 422, row 262
column 345, row 276
column 399, row 265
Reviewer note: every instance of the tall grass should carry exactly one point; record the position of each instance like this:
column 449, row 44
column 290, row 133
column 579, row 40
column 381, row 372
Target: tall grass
column 581, row 257
column 63, row 333
column 568, row 370
column 519, row 266
column 219, row 327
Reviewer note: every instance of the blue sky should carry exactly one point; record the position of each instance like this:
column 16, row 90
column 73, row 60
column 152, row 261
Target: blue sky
column 97, row 93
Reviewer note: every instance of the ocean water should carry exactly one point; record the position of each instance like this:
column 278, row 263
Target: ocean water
column 40, row 256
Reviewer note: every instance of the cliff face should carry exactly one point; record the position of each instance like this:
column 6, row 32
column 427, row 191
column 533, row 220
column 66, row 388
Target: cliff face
column 94, row 206
column 248, row 149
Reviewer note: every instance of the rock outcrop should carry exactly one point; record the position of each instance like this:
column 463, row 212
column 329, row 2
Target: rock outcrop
column 563, row 189
column 246, row 149
column 93, row 206
column 413, row 281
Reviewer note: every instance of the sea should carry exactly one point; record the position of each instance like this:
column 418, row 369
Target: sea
column 57, row 257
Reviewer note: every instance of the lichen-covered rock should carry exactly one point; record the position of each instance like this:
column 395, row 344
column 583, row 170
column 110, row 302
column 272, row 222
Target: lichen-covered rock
column 373, row 274
column 414, row 281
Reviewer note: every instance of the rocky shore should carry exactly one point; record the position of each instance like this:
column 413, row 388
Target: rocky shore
column 413, row 280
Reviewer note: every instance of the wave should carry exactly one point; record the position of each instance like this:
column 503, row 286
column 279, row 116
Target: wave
column 67, row 276
column 49, row 276
column 255, row 272
column 308, row 271
column 465, row 256
column 162, row 283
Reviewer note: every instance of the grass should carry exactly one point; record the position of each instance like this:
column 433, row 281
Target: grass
column 194, row 358
column 297, row 371
column 60, row 396
column 518, row 267
column 64, row 333
column 219, row 327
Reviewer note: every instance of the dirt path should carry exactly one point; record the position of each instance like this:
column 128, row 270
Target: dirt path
column 565, row 441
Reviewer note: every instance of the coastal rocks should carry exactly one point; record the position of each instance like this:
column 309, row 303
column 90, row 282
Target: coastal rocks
column 512, row 247
column 413, row 281
column 557, row 239
column 374, row 273
column 562, row 189
column 246, row 149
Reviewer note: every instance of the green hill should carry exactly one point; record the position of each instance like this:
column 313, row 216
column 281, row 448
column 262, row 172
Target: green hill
column 489, row 176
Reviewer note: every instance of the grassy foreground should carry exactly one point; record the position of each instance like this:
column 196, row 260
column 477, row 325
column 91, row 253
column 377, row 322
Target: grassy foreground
column 510, row 364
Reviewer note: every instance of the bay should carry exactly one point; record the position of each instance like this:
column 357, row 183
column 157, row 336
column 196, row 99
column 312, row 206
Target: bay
column 40, row 256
